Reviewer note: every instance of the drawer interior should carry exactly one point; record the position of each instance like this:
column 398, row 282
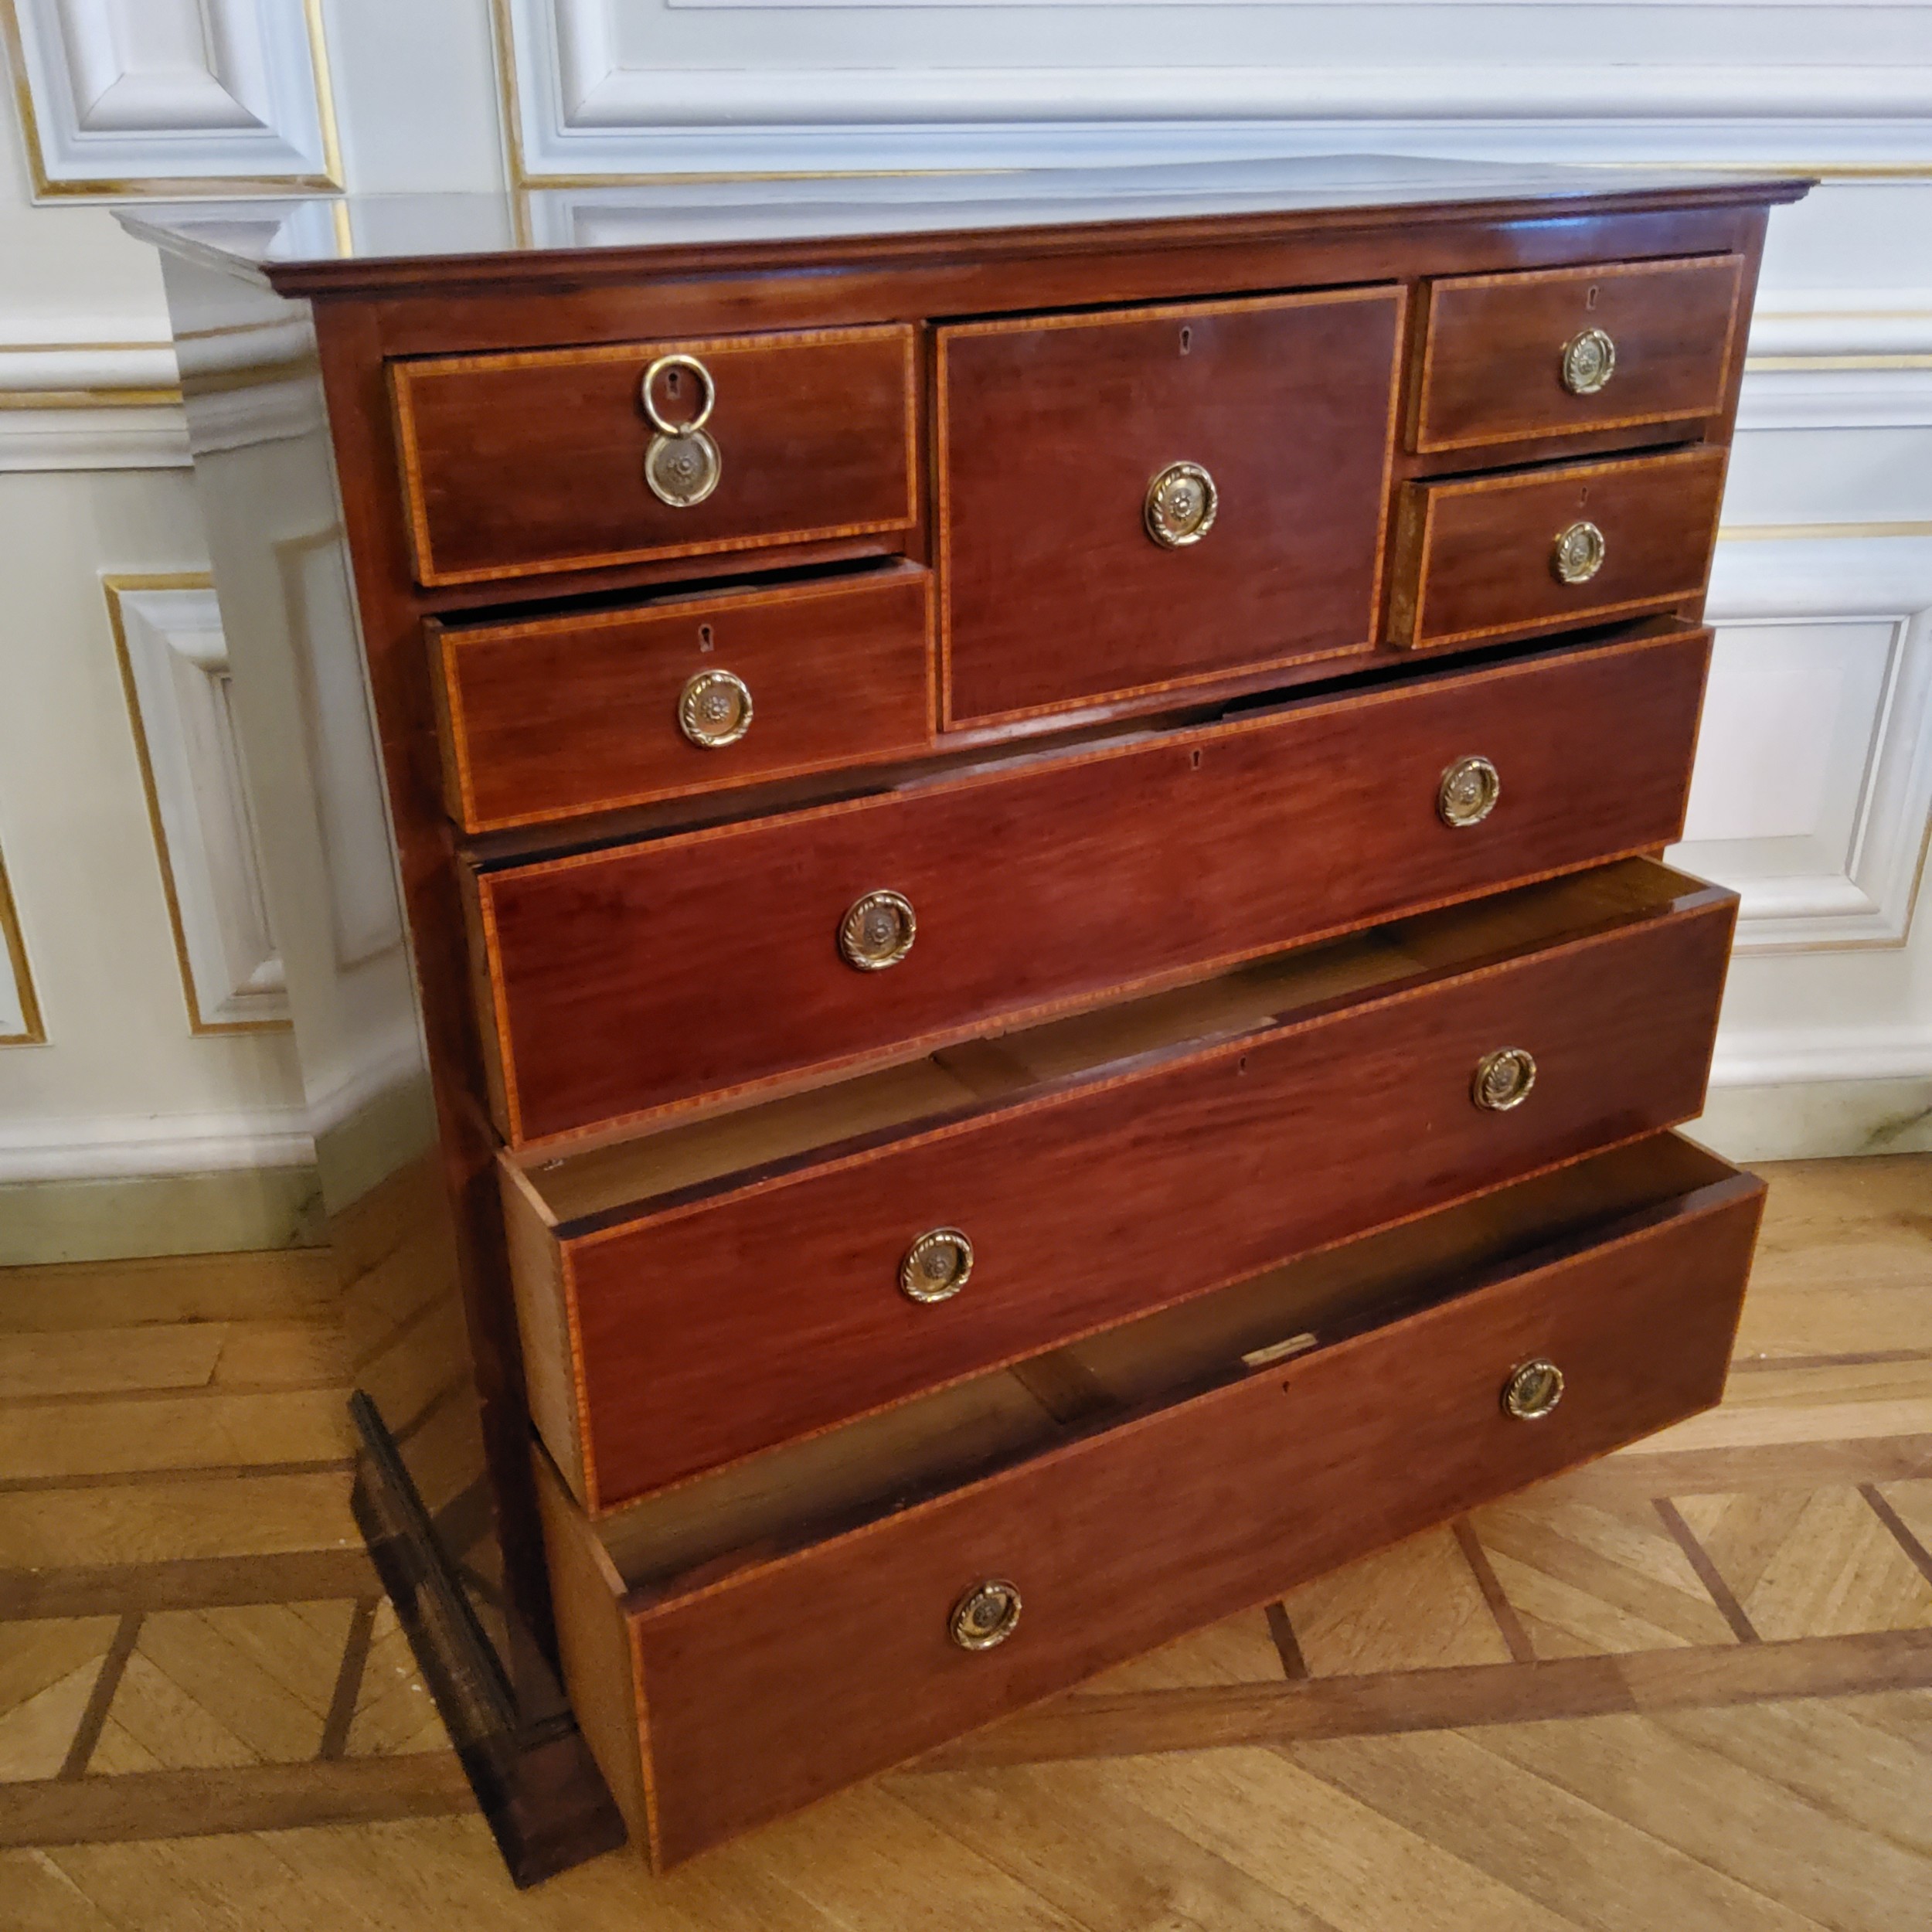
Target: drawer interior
column 713, row 1152
column 871, row 1468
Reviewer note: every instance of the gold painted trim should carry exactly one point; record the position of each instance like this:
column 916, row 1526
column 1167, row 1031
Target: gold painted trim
column 115, row 586
column 1762, row 533
column 34, row 1032
column 89, row 399
column 1762, row 362
column 176, row 187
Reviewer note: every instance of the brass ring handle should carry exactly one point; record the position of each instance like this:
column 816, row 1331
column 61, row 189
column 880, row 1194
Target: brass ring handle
column 1503, row 1080
column 708, row 388
column 1579, row 553
column 1590, row 361
column 1468, row 792
column 987, row 1614
column 936, row 1266
column 1533, row 1389
column 1181, row 505
column 714, row 708
column 877, row 931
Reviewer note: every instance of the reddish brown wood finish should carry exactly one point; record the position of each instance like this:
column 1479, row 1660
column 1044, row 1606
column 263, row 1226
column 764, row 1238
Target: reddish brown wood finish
column 1109, row 1194
column 531, row 462
column 1050, row 432
column 630, row 979
column 765, row 1690
column 1475, row 555
column 1492, row 356
column 580, row 713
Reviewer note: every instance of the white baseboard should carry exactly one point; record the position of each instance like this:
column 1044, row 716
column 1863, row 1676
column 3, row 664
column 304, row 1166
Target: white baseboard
column 112, row 1147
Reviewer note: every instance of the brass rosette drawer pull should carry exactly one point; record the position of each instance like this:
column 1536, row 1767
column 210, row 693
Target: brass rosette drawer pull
column 878, row 931
column 1503, row 1080
column 1533, row 1389
column 682, row 464
column 714, row 709
column 1181, row 502
column 1468, row 792
column 1578, row 554
column 936, row 1266
column 1590, row 361
column 986, row 1615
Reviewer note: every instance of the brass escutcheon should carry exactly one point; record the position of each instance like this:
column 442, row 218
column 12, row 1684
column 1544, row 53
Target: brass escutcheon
column 987, row 1614
column 682, row 469
column 1590, row 361
column 877, row 931
column 1533, row 1389
column 936, row 1266
column 1181, row 504
column 1579, row 553
column 714, row 708
column 1468, row 792
column 1503, row 1080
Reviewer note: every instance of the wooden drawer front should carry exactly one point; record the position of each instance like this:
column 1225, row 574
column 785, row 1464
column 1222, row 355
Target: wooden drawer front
column 627, row 981
column 1050, row 434
column 576, row 714
column 1477, row 557
column 1101, row 1202
column 1494, row 353
column 523, row 463
column 777, row 1684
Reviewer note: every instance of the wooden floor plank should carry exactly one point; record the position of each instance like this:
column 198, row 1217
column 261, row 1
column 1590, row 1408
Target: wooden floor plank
column 42, row 1898
column 269, row 1285
column 109, row 1360
column 212, row 1431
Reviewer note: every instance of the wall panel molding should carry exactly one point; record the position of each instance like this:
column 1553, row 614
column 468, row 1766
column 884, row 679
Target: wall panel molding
column 108, row 1147
column 20, row 1024
column 133, row 96
column 174, row 662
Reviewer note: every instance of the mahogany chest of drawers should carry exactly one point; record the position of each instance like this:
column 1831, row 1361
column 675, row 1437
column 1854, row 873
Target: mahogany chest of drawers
column 1029, row 819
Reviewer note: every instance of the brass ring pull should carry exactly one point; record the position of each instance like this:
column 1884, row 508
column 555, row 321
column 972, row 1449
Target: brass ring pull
column 1579, row 553
column 1503, row 1080
column 1468, row 792
column 714, row 709
column 1590, row 361
column 708, row 389
column 987, row 1614
column 877, row 931
column 1533, row 1389
column 1181, row 504
column 936, row 1266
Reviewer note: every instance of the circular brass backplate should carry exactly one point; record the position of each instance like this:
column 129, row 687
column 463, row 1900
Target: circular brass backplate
column 1503, row 1080
column 877, row 931
column 1468, row 792
column 1590, row 361
column 682, row 469
column 936, row 1266
column 987, row 1614
column 1533, row 1389
column 714, row 708
column 1578, row 554
column 1181, row 505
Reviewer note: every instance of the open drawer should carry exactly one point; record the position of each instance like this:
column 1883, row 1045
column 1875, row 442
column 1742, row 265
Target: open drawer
column 741, row 1646
column 694, row 1296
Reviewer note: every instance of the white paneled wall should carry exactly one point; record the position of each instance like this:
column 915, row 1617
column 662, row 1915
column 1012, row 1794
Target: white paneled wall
column 1814, row 782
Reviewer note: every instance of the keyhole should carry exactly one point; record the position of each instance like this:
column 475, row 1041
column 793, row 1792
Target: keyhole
column 1187, row 340
column 1591, row 303
column 1241, row 1065
column 674, row 379
column 1582, row 496
column 704, row 637
column 1194, row 761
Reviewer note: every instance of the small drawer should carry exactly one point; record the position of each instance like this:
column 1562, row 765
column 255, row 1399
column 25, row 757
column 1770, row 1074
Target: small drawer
column 547, row 460
column 742, row 1646
column 1135, row 500
column 621, row 982
column 916, row 1226
column 1498, row 556
column 1569, row 350
column 582, row 713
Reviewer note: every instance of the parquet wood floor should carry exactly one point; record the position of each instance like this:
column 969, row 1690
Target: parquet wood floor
column 1688, row 1688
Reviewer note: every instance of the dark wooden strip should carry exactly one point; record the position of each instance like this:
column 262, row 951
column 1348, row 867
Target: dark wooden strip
column 202, row 1472
column 246, row 1798
column 1638, row 1477
column 349, row 1681
column 1900, row 1529
column 1708, row 1573
column 197, row 1582
column 1490, row 1585
column 1289, row 1645
column 113, row 1668
column 1205, row 1716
